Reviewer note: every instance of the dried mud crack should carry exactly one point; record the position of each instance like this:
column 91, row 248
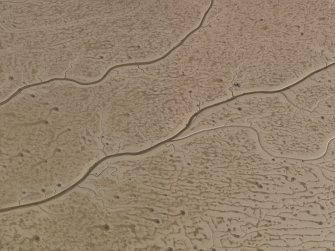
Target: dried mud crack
column 170, row 139
column 320, row 156
column 118, row 66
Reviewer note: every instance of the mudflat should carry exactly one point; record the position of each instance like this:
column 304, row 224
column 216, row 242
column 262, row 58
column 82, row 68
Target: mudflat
column 167, row 125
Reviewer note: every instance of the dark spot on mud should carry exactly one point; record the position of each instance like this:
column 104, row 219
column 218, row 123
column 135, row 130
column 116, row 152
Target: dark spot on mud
column 106, row 227
column 36, row 238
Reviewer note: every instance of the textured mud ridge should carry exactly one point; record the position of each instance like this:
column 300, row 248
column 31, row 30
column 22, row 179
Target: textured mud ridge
column 182, row 125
